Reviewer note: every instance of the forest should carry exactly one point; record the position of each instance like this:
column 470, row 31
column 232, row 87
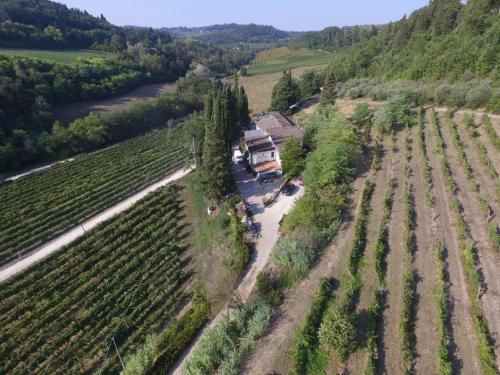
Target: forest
column 445, row 40
column 234, row 33
column 29, row 88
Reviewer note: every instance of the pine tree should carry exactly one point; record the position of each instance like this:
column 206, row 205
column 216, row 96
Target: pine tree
column 285, row 93
column 328, row 93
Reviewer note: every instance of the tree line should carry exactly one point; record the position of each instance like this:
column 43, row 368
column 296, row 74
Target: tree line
column 93, row 131
column 212, row 133
column 444, row 40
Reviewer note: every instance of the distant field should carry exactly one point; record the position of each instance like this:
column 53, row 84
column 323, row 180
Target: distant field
column 279, row 59
column 259, row 87
column 63, row 56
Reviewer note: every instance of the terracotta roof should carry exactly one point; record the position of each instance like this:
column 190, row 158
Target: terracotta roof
column 266, row 166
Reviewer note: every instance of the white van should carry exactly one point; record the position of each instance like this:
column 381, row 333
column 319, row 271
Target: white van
column 237, row 156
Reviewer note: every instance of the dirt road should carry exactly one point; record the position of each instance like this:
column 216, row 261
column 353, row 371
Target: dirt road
column 267, row 221
column 271, row 351
column 68, row 112
column 71, row 235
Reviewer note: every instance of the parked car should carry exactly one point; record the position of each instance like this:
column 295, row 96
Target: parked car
column 237, row 156
column 288, row 189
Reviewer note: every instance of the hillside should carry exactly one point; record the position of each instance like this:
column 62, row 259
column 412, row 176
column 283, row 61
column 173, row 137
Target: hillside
column 234, row 34
column 34, row 81
column 444, row 40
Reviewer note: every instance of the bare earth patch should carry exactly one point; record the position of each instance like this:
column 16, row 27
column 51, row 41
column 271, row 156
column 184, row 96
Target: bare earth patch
column 68, row 112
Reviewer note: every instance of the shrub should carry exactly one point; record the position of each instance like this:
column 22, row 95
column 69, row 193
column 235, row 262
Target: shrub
column 395, row 112
column 293, row 157
column 338, row 333
column 268, row 289
column 478, row 96
column 222, row 348
column 293, row 257
column 493, row 105
column 450, row 95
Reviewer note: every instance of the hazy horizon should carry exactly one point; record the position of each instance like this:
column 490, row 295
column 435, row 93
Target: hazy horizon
column 292, row 15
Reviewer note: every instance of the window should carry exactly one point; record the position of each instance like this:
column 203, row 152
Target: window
column 272, row 154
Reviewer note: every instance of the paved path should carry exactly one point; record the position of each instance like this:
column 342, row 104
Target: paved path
column 66, row 238
column 267, row 221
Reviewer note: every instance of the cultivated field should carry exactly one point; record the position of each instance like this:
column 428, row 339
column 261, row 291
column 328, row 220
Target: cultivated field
column 63, row 56
column 259, row 87
column 280, row 59
column 415, row 263
column 71, row 111
column 62, row 313
column 39, row 207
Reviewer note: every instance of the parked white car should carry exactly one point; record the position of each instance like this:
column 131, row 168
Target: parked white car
column 237, row 156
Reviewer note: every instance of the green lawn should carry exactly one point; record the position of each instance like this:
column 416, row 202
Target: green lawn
column 310, row 58
column 63, row 56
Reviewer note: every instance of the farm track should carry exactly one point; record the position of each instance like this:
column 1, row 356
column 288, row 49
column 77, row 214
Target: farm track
column 489, row 260
column 271, row 351
column 464, row 342
column 424, row 265
column 390, row 361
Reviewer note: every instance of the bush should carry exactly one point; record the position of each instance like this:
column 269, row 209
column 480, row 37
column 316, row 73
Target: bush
column 159, row 353
column 493, row 105
column 450, row 95
column 478, row 96
column 307, row 339
column 222, row 348
column 268, row 289
column 293, row 157
column 293, row 257
column 395, row 112
column 337, row 333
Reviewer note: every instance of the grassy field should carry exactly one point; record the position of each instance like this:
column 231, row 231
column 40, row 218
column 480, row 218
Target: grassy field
column 259, row 87
column 279, row 59
column 63, row 56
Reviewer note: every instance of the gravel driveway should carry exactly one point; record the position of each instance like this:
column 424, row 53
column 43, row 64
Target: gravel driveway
column 267, row 221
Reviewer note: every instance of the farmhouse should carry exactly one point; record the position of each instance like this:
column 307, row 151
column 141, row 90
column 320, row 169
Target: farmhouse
column 265, row 142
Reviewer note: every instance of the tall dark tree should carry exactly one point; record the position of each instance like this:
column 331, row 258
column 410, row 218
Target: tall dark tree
column 328, row 92
column 243, row 110
column 216, row 161
column 285, row 93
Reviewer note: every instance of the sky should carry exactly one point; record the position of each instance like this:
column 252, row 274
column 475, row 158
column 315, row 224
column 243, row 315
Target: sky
column 293, row 15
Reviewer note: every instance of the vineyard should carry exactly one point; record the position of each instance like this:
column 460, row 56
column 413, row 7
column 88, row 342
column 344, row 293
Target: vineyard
column 37, row 208
column 410, row 283
column 124, row 279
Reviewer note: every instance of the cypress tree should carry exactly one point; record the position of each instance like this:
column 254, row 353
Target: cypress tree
column 216, row 161
column 243, row 111
column 328, row 94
